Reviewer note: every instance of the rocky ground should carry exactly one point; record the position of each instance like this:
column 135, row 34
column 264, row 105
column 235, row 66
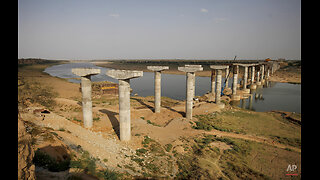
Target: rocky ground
column 163, row 145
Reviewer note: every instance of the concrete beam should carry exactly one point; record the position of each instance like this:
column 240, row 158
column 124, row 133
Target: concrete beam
column 191, row 68
column 85, row 71
column 216, row 67
column 86, row 74
column 244, row 65
column 124, row 74
column 157, row 68
column 124, row 77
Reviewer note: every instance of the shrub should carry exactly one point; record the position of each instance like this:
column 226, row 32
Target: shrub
column 87, row 163
column 168, row 147
column 44, row 160
column 108, row 174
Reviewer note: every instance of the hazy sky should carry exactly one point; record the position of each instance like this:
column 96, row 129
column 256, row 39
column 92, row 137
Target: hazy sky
column 133, row 29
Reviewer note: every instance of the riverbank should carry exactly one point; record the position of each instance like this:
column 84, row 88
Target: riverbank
column 163, row 145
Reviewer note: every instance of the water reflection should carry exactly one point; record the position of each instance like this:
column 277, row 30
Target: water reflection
column 273, row 96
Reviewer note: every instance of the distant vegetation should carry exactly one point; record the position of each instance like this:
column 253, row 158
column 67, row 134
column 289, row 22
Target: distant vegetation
column 30, row 61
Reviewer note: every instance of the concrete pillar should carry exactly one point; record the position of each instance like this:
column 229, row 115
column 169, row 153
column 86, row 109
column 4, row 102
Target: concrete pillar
column 249, row 75
column 253, row 85
column 213, row 82
column 124, row 77
column 227, row 77
column 235, row 96
column 245, row 78
column 190, row 86
column 218, row 69
column 235, row 79
column 86, row 74
column 124, row 109
column 86, row 101
column 252, row 74
column 157, row 91
column 262, row 73
column 157, row 85
column 258, row 77
column 218, row 86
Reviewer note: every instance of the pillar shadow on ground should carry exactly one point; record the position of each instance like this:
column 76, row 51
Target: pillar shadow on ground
column 144, row 104
column 169, row 108
column 114, row 121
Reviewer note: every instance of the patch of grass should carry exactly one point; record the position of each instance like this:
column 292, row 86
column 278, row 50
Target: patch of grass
column 157, row 149
column 152, row 167
column 152, row 123
column 75, row 119
column 147, row 140
column 168, row 147
column 204, row 162
column 109, row 174
column 96, row 119
column 138, row 160
column 141, row 151
column 88, row 165
column 296, row 142
column 256, row 123
column 86, row 162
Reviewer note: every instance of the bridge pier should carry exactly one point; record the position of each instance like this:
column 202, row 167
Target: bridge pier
column 190, row 87
column 218, row 69
column 253, row 85
column 235, row 96
column 157, row 85
column 124, row 77
column 86, row 74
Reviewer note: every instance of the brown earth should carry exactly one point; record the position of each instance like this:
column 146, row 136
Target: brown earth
column 102, row 141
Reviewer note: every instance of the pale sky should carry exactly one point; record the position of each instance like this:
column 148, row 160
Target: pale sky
column 159, row 29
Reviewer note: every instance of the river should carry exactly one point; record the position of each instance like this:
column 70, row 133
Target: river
column 274, row 96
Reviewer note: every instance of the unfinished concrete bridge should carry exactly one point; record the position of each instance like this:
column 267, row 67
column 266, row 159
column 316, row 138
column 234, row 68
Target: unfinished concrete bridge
column 255, row 74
